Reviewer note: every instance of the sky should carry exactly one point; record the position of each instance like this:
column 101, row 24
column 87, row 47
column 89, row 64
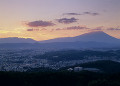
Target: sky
column 48, row 19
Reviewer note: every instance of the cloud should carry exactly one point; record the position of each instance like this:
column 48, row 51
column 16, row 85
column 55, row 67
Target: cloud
column 99, row 28
column 58, row 29
column 73, row 28
column 40, row 23
column 72, row 14
column 84, row 13
column 33, row 29
column 91, row 13
column 43, row 29
column 67, row 20
column 77, row 28
column 36, row 29
column 113, row 29
column 30, row 29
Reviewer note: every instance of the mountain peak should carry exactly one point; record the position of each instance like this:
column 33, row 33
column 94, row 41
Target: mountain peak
column 97, row 36
column 95, row 33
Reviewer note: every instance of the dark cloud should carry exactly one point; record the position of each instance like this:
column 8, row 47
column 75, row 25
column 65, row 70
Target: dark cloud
column 77, row 28
column 113, row 29
column 91, row 13
column 30, row 29
column 84, row 13
column 73, row 28
column 67, row 20
column 72, row 14
column 40, row 23
column 36, row 29
column 33, row 29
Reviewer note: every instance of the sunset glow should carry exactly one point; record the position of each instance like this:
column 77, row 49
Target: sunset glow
column 48, row 19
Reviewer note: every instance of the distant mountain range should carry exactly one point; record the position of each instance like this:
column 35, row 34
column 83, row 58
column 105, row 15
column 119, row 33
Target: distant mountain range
column 89, row 40
column 16, row 40
column 98, row 36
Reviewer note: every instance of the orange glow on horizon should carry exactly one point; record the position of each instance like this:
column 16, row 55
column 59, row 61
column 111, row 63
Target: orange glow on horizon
column 48, row 34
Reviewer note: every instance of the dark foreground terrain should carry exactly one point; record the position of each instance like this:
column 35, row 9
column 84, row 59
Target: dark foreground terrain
column 83, row 78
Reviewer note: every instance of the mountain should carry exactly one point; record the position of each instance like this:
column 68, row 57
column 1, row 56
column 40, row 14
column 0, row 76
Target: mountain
column 98, row 36
column 86, row 41
column 87, row 37
column 16, row 40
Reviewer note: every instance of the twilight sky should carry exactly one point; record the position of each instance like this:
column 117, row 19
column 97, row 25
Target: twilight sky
column 48, row 19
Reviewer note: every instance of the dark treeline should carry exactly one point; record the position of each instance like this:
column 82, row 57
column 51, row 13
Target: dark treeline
column 105, row 66
column 83, row 78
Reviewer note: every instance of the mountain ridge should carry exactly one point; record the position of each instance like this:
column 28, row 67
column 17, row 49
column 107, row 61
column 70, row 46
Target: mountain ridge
column 98, row 36
column 16, row 40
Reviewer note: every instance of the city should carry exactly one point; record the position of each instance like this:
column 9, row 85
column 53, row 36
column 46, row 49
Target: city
column 24, row 59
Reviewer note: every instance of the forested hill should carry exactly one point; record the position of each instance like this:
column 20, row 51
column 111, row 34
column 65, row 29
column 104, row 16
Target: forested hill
column 58, row 79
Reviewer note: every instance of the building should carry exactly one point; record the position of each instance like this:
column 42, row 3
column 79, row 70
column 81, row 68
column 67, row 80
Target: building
column 77, row 69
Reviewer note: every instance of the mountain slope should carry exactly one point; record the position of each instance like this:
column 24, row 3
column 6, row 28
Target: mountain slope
column 92, row 36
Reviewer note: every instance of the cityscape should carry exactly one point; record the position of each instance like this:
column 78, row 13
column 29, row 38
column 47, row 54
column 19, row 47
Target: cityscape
column 25, row 59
